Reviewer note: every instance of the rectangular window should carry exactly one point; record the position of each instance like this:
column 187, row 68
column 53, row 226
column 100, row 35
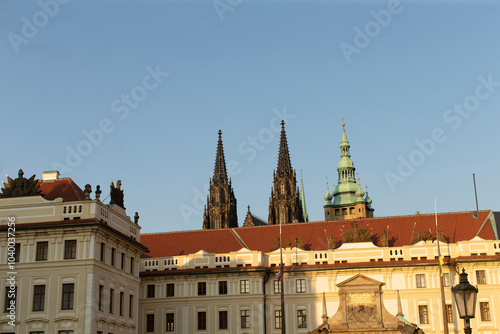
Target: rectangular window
column 122, row 262
column 446, row 279
column 423, row 315
column 17, row 252
column 245, row 286
column 222, row 287
column 99, row 298
column 222, row 319
column 420, row 280
column 300, row 285
column 130, row 306
column 111, row 299
column 39, row 298
column 42, row 249
column 481, row 276
column 202, row 321
column 170, row 322
column 277, row 287
column 132, row 265
column 449, row 313
column 202, row 288
column 484, row 308
column 65, row 332
column 69, row 249
column 245, row 318
column 277, row 319
column 113, row 255
column 37, row 332
column 10, row 298
column 150, row 322
column 68, row 292
column 151, row 291
column 103, row 251
column 121, row 303
column 301, row 319
column 170, row 290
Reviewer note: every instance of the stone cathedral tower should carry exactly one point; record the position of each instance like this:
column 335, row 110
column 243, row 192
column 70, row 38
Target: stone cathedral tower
column 284, row 204
column 220, row 211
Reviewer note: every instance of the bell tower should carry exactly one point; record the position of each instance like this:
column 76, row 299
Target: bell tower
column 348, row 201
column 220, row 211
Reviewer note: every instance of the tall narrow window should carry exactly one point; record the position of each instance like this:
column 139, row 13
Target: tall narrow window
column 131, row 306
column 42, row 249
column 68, row 291
column 446, row 279
column 69, row 249
column 132, row 265
column 113, row 255
column 122, row 262
column 111, row 300
column 277, row 319
column 222, row 319
column 202, row 288
column 277, row 287
column 170, row 322
column 301, row 319
column 484, row 308
column 449, row 313
column 39, row 298
column 481, row 276
column 420, row 278
column 202, row 321
column 423, row 315
column 151, row 291
column 245, row 318
column 99, row 298
column 10, row 297
column 170, row 290
column 17, row 252
column 150, row 322
column 121, row 303
column 103, row 250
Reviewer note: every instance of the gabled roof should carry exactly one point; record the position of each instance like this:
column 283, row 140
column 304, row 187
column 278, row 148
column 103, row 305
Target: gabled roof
column 64, row 188
column 456, row 226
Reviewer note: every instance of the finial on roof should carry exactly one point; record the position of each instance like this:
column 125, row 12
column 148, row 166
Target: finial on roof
column 343, row 124
column 249, row 208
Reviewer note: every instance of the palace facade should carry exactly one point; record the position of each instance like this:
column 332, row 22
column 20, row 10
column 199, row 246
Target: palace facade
column 82, row 266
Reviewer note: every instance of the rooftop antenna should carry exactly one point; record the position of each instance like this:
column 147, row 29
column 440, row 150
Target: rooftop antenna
column 475, row 214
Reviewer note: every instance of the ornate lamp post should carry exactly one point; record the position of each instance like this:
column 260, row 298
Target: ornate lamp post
column 465, row 297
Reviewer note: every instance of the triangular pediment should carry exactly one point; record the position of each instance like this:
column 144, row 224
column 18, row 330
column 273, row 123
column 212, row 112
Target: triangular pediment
column 360, row 280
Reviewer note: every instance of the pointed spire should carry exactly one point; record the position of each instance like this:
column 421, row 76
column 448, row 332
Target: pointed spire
column 325, row 314
column 284, row 164
column 328, row 197
column 400, row 308
column 303, row 199
column 220, row 173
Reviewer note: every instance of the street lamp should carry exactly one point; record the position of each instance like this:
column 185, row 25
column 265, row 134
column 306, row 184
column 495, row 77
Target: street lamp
column 465, row 297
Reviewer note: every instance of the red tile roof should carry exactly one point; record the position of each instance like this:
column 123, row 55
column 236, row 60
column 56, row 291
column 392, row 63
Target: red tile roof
column 64, row 188
column 456, row 226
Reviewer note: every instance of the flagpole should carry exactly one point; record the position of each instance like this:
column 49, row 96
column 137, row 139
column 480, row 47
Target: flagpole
column 282, row 288
column 443, row 301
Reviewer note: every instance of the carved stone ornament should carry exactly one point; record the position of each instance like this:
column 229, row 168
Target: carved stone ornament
column 356, row 234
column 117, row 194
column 21, row 186
column 276, row 244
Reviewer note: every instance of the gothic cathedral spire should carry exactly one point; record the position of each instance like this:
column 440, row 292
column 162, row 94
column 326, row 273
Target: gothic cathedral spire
column 284, row 203
column 220, row 211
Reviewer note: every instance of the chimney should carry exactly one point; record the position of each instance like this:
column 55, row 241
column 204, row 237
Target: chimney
column 50, row 176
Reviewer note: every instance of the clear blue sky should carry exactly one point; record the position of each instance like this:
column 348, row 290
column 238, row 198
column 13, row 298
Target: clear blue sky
column 399, row 73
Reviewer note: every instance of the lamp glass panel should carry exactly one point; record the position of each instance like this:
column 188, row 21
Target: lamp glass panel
column 460, row 301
